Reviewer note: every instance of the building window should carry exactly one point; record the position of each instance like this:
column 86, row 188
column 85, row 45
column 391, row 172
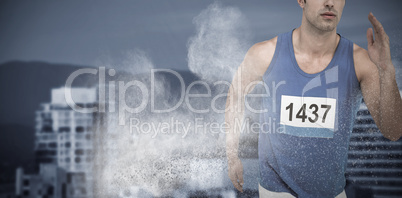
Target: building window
column 88, row 136
column 52, row 145
column 90, row 105
column 68, row 144
column 47, row 129
column 26, row 182
column 77, row 114
column 80, row 178
column 83, row 191
column 50, row 190
column 41, row 145
column 64, row 122
column 45, row 115
column 64, row 129
column 42, row 137
column 79, row 122
column 47, row 121
column 42, row 153
column 63, row 191
column 69, row 178
column 67, row 159
column 79, row 152
column 26, row 193
column 65, row 114
column 79, row 129
column 77, row 160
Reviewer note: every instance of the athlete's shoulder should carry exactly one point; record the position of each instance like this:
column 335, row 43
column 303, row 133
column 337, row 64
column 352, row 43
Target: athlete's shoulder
column 359, row 53
column 260, row 54
column 257, row 60
column 362, row 62
column 262, row 49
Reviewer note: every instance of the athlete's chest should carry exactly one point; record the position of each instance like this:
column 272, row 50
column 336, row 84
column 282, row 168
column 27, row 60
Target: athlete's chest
column 312, row 65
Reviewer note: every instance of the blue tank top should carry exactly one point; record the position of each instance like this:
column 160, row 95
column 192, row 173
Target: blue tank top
column 304, row 138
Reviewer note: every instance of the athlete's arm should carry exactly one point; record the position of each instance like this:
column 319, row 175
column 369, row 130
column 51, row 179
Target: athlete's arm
column 251, row 70
column 376, row 74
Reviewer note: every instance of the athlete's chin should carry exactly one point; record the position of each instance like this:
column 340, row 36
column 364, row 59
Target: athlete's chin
column 326, row 27
column 329, row 26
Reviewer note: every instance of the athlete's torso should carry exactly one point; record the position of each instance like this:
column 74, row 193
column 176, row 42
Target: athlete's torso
column 304, row 140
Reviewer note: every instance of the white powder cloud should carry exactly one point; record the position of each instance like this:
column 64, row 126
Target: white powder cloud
column 219, row 46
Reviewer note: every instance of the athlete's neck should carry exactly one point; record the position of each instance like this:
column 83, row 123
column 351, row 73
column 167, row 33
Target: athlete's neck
column 315, row 43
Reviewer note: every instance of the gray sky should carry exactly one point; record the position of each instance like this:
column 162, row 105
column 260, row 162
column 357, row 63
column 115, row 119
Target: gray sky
column 94, row 32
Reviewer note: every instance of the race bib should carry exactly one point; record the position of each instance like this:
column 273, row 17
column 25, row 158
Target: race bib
column 308, row 112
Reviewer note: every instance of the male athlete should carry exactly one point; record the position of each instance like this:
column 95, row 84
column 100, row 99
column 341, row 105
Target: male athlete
column 316, row 79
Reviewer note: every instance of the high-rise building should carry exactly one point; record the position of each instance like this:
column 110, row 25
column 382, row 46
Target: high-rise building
column 51, row 182
column 374, row 166
column 64, row 136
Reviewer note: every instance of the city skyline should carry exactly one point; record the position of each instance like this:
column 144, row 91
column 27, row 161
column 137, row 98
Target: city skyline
column 43, row 42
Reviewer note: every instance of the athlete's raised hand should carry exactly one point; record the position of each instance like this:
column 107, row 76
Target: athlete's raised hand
column 378, row 48
column 236, row 173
